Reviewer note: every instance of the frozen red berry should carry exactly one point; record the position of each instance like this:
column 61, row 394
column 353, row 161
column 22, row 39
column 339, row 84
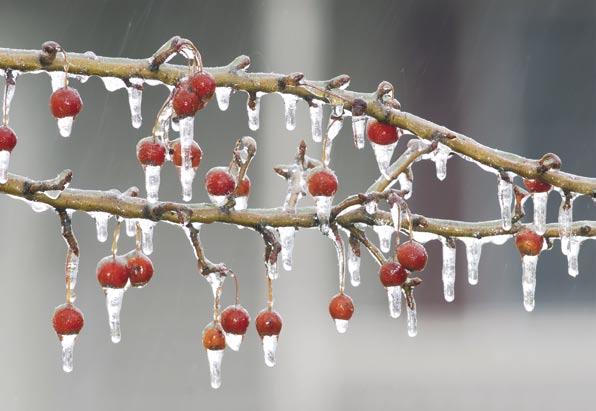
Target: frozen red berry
column 382, row 133
column 8, row 139
column 140, row 269
column 112, row 272
column 528, row 242
column 68, row 320
column 203, row 84
column 322, row 182
column 235, row 320
column 219, row 182
column 213, row 338
column 268, row 323
column 412, row 255
column 393, row 274
column 66, row 102
column 536, row 186
column 185, row 101
column 244, row 188
column 151, row 152
column 195, row 153
column 341, row 307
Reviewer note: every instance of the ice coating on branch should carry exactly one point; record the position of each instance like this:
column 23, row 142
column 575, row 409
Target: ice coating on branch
column 72, row 270
column 112, row 83
column 215, row 357
column 394, row 299
column 370, row 207
column 152, row 180
column 36, row 206
column 286, row 238
column 359, row 130
column 135, row 98
column 539, row 201
column 573, row 255
column 222, row 94
column 396, row 217
column 4, row 162
column 9, row 90
column 316, row 120
column 272, row 271
column 57, row 78
column 296, row 187
column 53, row 194
column 529, row 263
column 354, row 267
column 147, row 235
column 131, row 227
column 473, row 252
column 440, row 157
column 65, row 126
column 566, row 221
column 383, row 154
column 323, row 208
column 448, row 271
column 290, row 101
column 218, row 200
column 101, row 224
column 253, row 112
column 384, row 232
column 423, row 237
column 269, row 349
column 406, row 182
column 114, row 298
column 67, row 343
column 341, row 258
column 505, row 196
column 412, row 317
column 241, row 204
column 336, row 122
column 215, row 280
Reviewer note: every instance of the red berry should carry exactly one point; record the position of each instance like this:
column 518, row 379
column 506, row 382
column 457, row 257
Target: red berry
column 412, row 256
column 203, row 84
column 185, row 101
column 382, row 133
column 392, row 274
column 244, row 188
column 8, row 139
column 140, row 269
column 268, row 322
column 112, row 272
column 235, row 319
column 528, row 242
column 219, row 182
column 195, row 154
column 65, row 102
column 341, row 307
column 151, row 152
column 68, row 320
column 322, row 182
column 536, row 186
column 213, row 338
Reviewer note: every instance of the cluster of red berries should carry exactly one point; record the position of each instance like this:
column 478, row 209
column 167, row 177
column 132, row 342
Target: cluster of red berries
column 219, row 181
column 152, row 152
column 193, row 93
column 411, row 256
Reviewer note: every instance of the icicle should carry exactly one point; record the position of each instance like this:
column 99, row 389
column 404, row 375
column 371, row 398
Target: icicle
column 4, row 162
column 359, row 129
column 253, row 112
column 67, row 342
column 354, row 267
column 316, row 121
column 218, row 200
column 101, row 224
column 341, row 325
column 440, row 157
column 114, row 305
column 131, row 227
column 175, row 123
column 152, row 182
column 412, row 317
column 241, row 204
column 473, row 252
column 290, row 110
column 215, row 280
column 383, row 154
column 65, row 125
column 573, row 254
column 328, row 147
column 396, row 217
column 215, row 357
column 406, row 182
column 336, row 122
column 505, row 195
column 323, row 207
column 341, row 258
column 540, row 204
column 187, row 172
column 448, row 272
column 233, row 341
column 72, row 270
column 286, row 238
column 565, row 222
column 10, row 88
column 111, row 83
column 147, row 236
column 223, row 97
column 394, row 298
column 135, row 97
column 57, row 78
column 269, row 348
column 384, row 232
column 529, row 263
column 272, row 271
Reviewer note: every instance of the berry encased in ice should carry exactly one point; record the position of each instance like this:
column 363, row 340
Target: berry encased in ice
column 151, row 152
column 214, row 338
column 244, row 188
column 219, row 182
column 382, row 133
column 322, row 182
column 412, row 255
column 8, row 139
column 528, row 242
column 195, row 153
column 140, row 268
column 66, row 102
column 67, row 320
column 203, row 84
column 235, row 320
column 393, row 274
column 112, row 272
column 268, row 323
column 536, row 186
column 341, row 307
column 185, row 101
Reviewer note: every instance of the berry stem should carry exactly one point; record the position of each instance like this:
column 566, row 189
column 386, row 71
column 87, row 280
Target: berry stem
column 116, row 237
column 216, row 303
column 7, row 77
column 269, row 292
column 236, row 287
column 156, row 125
column 138, row 238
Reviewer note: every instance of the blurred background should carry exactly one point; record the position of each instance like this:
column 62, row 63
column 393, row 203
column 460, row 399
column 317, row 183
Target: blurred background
column 515, row 75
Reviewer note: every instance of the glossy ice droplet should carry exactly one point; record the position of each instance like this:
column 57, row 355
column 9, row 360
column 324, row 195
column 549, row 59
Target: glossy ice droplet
column 473, row 252
column 359, row 130
column 529, row 263
column 286, row 238
column 65, row 125
column 505, row 196
column 67, row 343
column 215, row 357
column 215, row 280
column 269, row 349
column 354, row 267
column 223, row 97
column 152, row 182
column 114, row 298
column 384, row 232
column 440, row 157
column 448, row 271
column 316, row 120
column 341, row 325
column 394, row 299
column 336, row 122
column 101, row 224
column 113, row 83
column 383, row 154
column 290, row 110
column 540, row 204
column 323, row 207
column 412, row 318
column 253, row 112
column 233, row 341
column 4, row 162
column 147, row 236
column 131, row 227
column 135, row 98
column 272, row 271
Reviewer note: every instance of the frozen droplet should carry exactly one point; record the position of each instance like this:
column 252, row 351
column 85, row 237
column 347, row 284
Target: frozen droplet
column 233, row 341
column 359, row 130
column 290, row 110
column 58, row 79
column 152, row 182
column 131, row 227
column 269, row 349
column 448, row 271
column 135, row 98
column 336, row 122
column 223, row 97
column 241, row 203
column 383, row 154
column 573, row 255
column 384, row 232
column 341, row 325
column 406, row 182
column 540, row 203
column 113, row 83
column 272, row 271
column 473, row 252
column 101, row 224
column 440, row 157
column 370, row 207
column 505, row 195
column 396, row 217
column 323, row 207
column 4, row 162
column 394, row 299
column 316, row 120
column 354, row 267
column 529, row 263
column 215, row 280
column 67, row 342
column 65, row 125
column 412, row 317
column 147, row 235
column 286, row 238
column 565, row 222
column 214, row 357
column 114, row 298
column 218, row 200
column 253, row 112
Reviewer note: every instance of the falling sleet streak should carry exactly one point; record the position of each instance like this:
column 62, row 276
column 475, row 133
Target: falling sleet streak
column 448, row 271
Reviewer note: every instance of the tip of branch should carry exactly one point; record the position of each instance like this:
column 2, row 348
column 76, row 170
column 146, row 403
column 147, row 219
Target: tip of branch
column 48, row 52
column 240, row 63
column 342, row 81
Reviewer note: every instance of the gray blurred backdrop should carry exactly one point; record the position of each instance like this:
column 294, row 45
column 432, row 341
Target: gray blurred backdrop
column 516, row 75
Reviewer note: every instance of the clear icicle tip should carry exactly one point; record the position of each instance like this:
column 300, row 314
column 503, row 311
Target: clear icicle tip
column 67, row 342
column 114, row 298
column 412, row 320
column 529, row 263
column 215, row 357
column 223, row 97
column 383, row 154
column 341, row 325
column 394, row 300
column 253, row 113
column 269, row 349
column 384, row 232
column 233, row 341
column 448, row 271
column 65, row 125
